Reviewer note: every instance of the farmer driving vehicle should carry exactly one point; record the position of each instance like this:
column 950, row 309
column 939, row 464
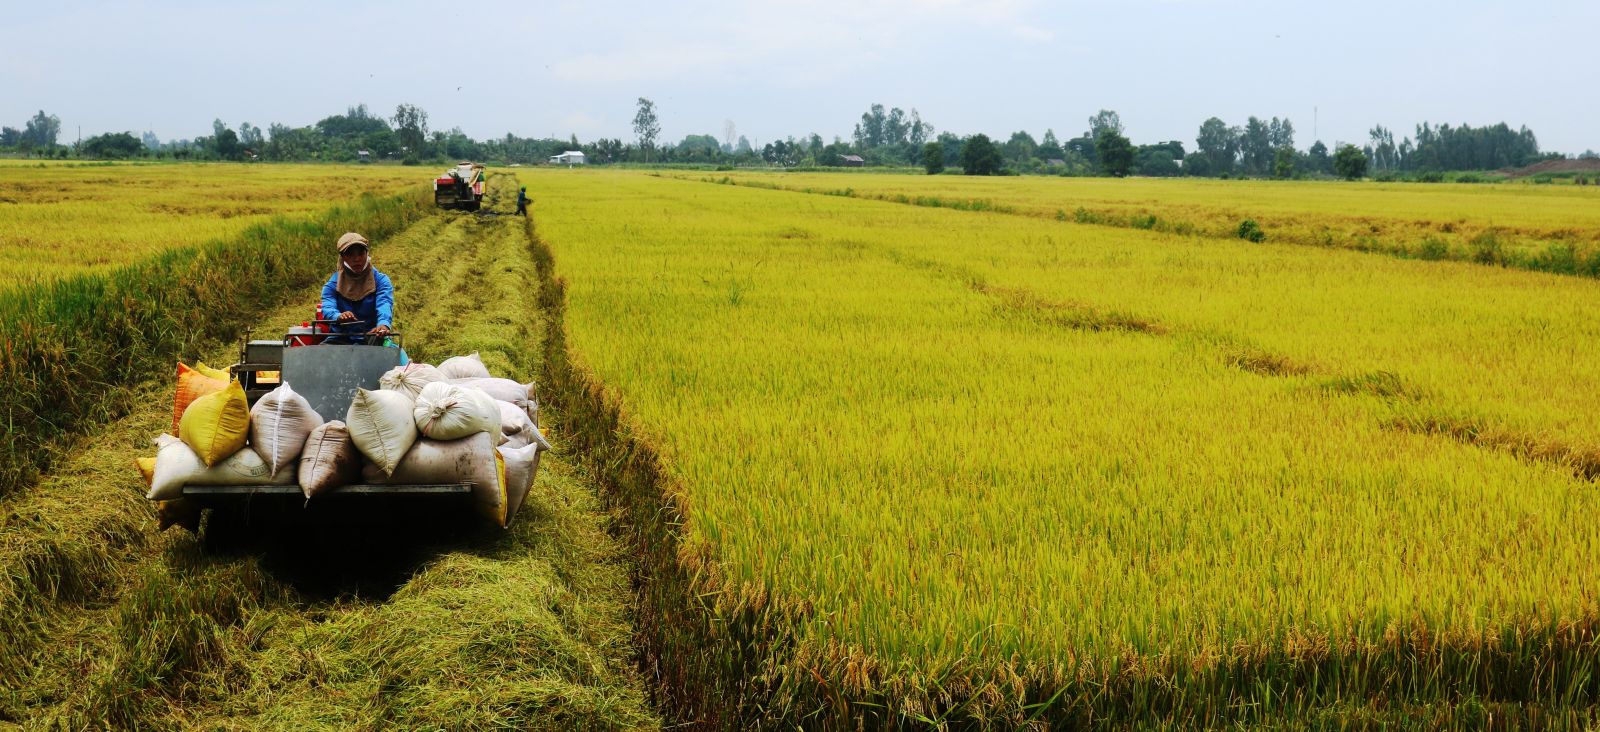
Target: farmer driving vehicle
column 358, row 296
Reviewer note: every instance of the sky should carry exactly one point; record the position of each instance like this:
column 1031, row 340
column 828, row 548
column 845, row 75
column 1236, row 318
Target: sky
column 791, row 68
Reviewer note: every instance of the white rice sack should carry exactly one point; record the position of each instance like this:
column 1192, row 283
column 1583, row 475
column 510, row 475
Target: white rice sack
column 507, row 390
column 381, row 426
column 516, row 428
column 410, row 378
column 280, row 422
column 330, row 460
column 449, row 412
column 522, row 464
column 470, row 460
column 464, row 367
column 177, row 465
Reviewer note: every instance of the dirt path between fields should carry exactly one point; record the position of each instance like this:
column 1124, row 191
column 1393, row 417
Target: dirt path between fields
column 111, row 623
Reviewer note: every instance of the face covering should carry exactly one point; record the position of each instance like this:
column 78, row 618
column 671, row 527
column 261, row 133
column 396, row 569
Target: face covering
column 355, row 285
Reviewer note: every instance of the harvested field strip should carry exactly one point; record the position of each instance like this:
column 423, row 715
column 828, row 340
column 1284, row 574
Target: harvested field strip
column 523, row 629
column 67, row 346
column 1544, row 229
column 864, row 498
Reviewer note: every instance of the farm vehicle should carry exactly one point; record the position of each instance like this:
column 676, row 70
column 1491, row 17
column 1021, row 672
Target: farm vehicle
column 329, row 374
column 460, row 187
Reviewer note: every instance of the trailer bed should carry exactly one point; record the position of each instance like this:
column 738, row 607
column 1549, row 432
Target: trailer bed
column 210, row 495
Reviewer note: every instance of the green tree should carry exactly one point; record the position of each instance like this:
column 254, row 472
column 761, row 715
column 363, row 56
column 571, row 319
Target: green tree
column 1283, row 162
column 646, row 125
column 1318, row 155
column 918, row 132
column 224, row 143
column 1256, row 147
column 1115, row 153
column 1350, row 163
column 1050, row 147
column 1218, row 144
column 933, row 157
column 980, row 156
column 1157, row 161
column 1020, row 147
column 250, row 136
column 42, row 130
column 411, row 126
column 112, row 145
column 1104, row 121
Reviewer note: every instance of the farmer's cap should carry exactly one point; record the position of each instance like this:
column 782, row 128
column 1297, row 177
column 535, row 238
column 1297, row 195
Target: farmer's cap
column 352, row 239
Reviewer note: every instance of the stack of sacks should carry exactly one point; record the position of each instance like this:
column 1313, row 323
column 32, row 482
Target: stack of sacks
column 467, row 427
column 222, row 441
column 452, row 424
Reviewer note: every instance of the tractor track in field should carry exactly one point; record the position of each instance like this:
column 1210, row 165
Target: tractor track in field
column 112, row 623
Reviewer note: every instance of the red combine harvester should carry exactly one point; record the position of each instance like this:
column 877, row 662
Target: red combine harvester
column 460, row 187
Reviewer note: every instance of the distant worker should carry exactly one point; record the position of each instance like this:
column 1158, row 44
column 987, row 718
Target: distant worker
column 522, row 201
column 358, row 296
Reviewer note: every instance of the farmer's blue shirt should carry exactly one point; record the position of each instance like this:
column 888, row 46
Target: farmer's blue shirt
column 373, row 310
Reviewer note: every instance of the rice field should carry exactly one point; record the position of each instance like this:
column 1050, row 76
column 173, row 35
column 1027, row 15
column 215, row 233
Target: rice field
column 962, row 466
column 58, row 219
column 1541, row 227
column 106, row 622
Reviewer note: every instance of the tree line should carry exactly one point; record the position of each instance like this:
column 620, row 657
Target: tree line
column 883, row 136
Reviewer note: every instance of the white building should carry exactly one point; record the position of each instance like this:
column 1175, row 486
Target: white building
column 570, row 157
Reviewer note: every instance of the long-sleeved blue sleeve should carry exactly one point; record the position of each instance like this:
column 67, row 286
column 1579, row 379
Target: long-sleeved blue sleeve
column 385, row 303
column 330, row 306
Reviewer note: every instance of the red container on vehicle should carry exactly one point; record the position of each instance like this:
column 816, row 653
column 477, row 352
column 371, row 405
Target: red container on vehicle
column 303, row 335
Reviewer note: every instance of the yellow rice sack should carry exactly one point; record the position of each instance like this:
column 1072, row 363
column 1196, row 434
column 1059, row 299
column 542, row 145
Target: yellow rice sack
column 216, row 425
column 219, row 374
column 194, row 382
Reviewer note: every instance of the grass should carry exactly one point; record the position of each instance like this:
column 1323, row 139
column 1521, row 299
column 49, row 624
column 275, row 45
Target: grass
column 874, row 480
column 112, row 624
column 1548, row 229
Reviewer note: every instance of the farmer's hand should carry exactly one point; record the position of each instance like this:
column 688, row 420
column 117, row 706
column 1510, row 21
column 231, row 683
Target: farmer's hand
column 346, row 316
column 381, row 330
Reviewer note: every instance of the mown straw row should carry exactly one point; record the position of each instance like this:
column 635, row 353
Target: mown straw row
column 66, row 345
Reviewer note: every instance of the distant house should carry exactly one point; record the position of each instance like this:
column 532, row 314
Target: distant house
column 570, row 157
column 363, row 156
column 1055, row 163
column 852, row 161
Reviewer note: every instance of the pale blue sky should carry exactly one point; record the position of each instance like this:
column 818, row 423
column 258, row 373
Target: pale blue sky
column 791, row 68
